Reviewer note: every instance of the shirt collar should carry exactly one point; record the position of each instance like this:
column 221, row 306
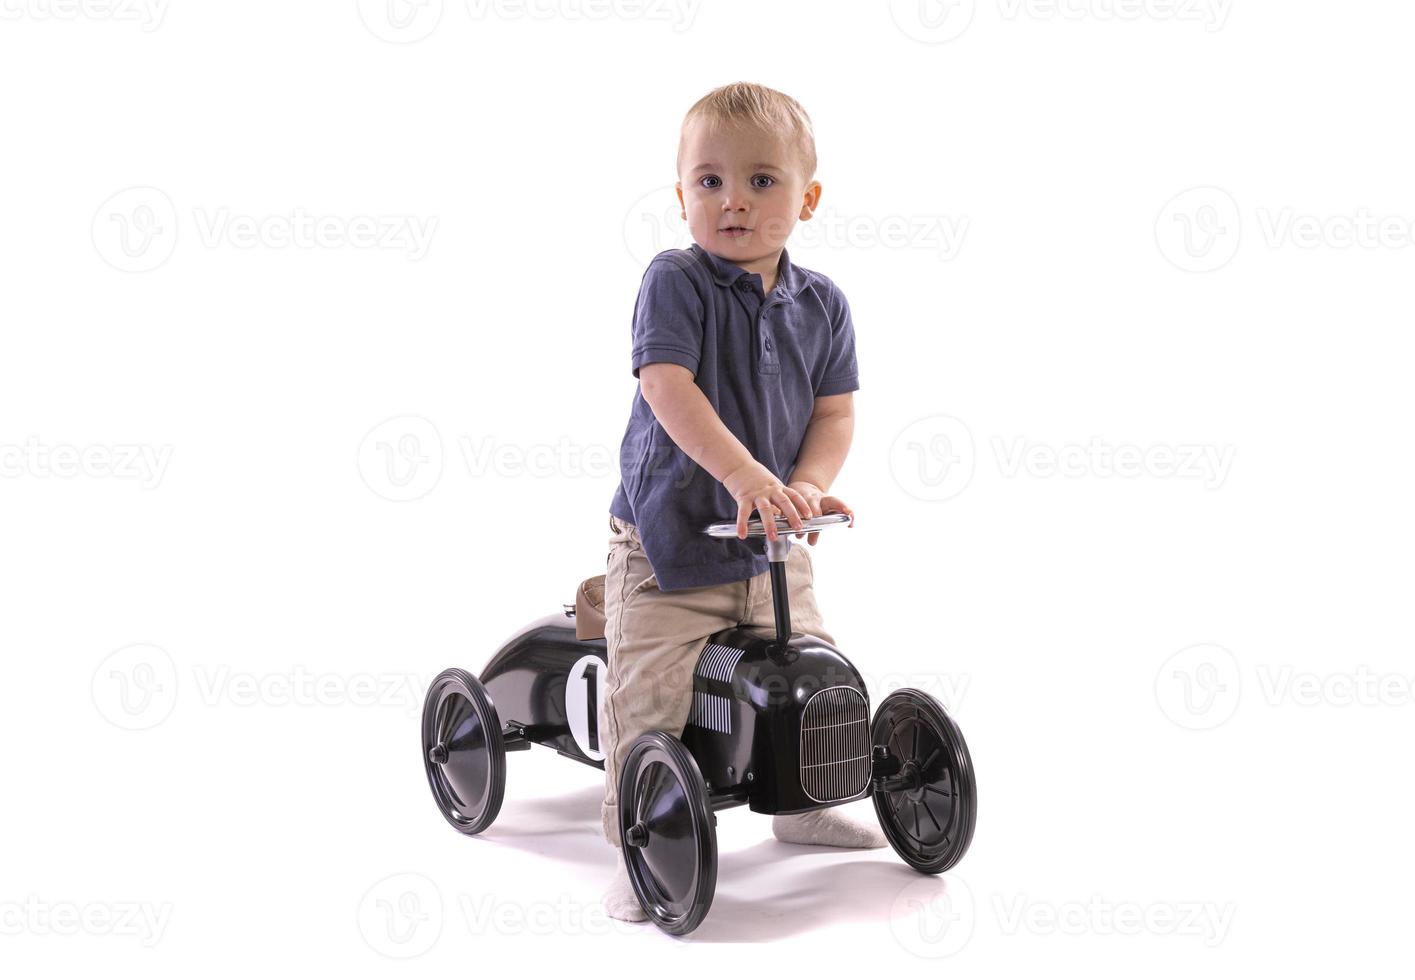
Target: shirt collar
column 789, row 279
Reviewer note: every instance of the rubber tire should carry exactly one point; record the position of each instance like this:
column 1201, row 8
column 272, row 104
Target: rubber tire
column 660, row 748
column 455, row 680
column 911, row 705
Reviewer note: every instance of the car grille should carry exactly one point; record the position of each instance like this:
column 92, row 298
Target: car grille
column 835, row 745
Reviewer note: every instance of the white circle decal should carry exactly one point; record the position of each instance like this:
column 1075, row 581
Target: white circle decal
column 584, row 693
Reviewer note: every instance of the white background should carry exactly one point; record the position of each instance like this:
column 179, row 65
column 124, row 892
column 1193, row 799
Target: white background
column 1131, row 471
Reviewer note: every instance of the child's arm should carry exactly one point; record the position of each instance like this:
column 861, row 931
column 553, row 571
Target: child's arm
column 690, row 421
column 827, row 441
column 823, row 451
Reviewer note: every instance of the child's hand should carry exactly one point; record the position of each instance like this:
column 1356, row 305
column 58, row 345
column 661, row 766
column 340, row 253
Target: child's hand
column 755, row 487
column 819, row 503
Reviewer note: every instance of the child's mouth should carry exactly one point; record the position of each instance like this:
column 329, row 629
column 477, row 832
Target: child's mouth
column 736, row 232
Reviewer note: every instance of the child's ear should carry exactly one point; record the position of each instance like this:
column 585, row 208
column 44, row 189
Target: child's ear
column 811, row 201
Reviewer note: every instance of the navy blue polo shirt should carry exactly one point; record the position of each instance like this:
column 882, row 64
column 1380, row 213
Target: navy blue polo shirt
column 761, row 361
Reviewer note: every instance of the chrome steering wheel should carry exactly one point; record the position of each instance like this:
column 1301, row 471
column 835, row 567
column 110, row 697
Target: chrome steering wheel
column 776, row 550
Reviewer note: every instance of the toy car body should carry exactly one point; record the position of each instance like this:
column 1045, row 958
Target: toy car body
column 779, row 722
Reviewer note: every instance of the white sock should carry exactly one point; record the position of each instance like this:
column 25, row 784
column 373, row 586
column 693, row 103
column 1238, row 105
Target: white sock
column 620, row 902
column 826, row 826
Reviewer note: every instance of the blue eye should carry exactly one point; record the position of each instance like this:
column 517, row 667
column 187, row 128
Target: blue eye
column 717, row 181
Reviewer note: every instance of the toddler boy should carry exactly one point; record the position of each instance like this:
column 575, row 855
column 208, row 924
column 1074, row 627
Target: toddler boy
column 746, row 364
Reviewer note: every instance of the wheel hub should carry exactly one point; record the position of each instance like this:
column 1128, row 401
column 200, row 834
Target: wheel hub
column 912, row 781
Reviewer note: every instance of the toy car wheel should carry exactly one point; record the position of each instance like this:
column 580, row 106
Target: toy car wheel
column 463, row 751
column 928, row 808
column 668, row 832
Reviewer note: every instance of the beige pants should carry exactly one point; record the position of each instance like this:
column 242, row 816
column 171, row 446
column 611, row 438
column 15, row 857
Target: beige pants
column 654, row 639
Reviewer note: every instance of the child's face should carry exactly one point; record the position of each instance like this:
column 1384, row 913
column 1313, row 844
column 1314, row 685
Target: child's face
column 739, row 177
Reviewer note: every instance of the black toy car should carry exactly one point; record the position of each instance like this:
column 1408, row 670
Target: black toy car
column 780, row 721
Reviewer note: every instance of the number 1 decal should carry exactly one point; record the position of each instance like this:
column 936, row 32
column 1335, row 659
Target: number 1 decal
column 584, row 693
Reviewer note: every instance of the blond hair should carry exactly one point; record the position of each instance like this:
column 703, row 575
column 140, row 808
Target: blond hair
column 758, row 107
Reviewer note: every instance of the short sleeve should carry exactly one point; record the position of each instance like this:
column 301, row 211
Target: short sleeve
column 842, row 374
column 668, row 319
